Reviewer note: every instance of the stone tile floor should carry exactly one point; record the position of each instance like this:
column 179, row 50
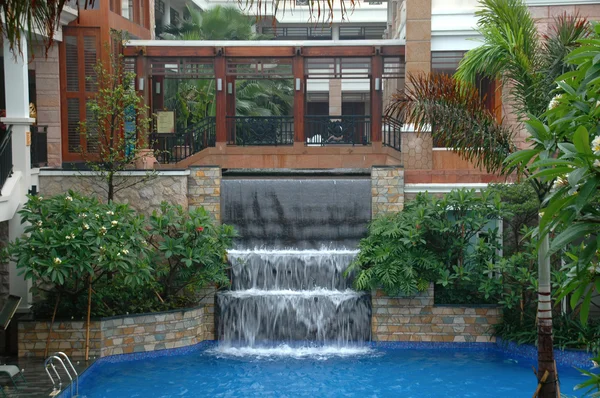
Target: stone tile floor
column 37, row 382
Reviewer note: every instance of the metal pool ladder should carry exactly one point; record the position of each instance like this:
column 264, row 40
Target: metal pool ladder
column 61, row 357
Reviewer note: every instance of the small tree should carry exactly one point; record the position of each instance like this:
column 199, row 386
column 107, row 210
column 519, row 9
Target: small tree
column 191, row 250
column 72, row 241
column 116, row 128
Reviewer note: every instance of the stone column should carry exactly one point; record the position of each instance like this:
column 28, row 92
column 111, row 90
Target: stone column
column 418, row 61
column 204, row 189
column 387, row 189
column 335, row 32
column 16, row 80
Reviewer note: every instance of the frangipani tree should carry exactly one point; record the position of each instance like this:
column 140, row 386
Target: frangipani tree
column 528, row 64
column 567, row 153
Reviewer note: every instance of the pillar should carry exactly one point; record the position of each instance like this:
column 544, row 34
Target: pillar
column 299, row 99
column 418, row 61
column 335, row 32
column 17, row 115
column 221, row 101
column 335, row 97
column 376, row 97
column 231, row 106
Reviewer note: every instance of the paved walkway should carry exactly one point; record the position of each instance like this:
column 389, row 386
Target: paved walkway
column 37, row 382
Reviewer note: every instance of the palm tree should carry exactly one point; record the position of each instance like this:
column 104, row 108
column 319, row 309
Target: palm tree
column 219, row 23
column 528, row 64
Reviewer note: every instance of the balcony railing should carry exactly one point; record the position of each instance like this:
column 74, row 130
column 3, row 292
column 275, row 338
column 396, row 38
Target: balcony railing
column 173, row 148
column 39, row 146
column 260, row 130
column 6, row 159
column 392, row 133
column 330, row 130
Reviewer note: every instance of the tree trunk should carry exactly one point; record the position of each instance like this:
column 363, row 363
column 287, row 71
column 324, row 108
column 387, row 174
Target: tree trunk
column 111, row 187
column 51, row 325
column 87, row 328
column 549, row 387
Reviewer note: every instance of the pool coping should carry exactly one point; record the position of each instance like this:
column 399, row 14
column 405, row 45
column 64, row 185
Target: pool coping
column 566, row 358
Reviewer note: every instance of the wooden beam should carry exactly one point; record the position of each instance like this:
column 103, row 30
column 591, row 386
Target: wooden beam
column 345, row 51
column 259, row 51
column 376, row 98
column 299, row 99
column 170, row 51
column 221, row 100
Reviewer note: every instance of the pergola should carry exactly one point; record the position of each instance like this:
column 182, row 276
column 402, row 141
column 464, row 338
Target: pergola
column 371, row 61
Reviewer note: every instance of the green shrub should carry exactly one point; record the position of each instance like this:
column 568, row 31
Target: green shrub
column 72, row 241
column 190, row 250
column 447, row 240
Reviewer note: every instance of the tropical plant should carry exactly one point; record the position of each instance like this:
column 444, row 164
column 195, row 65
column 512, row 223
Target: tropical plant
column 190, row 250
column 528, row 63
column 72, row 242
column 116, row 127
column 264, row 97
column 446, row 240
column 218, row 23
column 567, row 152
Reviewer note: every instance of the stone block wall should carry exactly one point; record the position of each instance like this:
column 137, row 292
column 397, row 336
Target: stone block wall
column 204, row 189
column 119, row 335
column 418, row 319
column 170, row 186
column 387, row 189
column 67, row 336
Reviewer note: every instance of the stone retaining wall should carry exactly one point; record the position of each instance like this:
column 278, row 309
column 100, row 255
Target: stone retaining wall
column 418, row 319
column 169, row 186
column 119, row 335
column 204, row 189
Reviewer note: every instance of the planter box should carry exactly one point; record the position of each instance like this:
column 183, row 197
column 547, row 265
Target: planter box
column 120, row 334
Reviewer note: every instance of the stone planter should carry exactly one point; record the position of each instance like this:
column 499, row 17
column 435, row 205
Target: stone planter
column 120, row 334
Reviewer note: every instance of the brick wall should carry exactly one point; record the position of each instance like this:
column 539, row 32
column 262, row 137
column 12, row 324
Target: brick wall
column 119, row 335
column 418, row 319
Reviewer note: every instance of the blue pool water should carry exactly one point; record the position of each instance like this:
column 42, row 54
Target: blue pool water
column 318, row 372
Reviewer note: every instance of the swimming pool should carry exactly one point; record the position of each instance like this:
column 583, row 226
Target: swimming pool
column 368, row 371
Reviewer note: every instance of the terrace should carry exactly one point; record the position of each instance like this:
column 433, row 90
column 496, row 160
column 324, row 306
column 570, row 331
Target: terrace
column 328, row 98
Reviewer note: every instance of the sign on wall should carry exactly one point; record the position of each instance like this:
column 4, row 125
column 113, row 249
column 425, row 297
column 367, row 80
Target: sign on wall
column 165, row 122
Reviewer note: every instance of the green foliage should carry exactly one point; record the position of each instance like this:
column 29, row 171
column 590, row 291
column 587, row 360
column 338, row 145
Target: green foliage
column 133, row 265
column 522, row 205
column 447, row 240
column 190, row 250
column 73, row 241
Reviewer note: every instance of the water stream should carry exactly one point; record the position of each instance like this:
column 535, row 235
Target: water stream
column 288, row 297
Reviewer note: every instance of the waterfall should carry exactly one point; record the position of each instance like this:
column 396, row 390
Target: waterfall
column 286, row 290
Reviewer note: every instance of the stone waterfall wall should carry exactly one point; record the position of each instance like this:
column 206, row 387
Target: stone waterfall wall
column 204, row 189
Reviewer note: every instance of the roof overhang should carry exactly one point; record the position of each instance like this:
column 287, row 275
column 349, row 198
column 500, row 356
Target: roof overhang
column 264, row 48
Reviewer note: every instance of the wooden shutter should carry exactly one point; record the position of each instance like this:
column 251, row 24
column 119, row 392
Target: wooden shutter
column 79, row 54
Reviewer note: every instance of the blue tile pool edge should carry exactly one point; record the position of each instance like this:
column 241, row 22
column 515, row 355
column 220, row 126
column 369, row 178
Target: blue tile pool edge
column 570, row 358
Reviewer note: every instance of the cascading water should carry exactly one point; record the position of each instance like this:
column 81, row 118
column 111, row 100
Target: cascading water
column 285, row 289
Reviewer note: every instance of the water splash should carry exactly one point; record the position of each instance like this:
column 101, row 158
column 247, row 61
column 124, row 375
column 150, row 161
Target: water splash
column 287, row 351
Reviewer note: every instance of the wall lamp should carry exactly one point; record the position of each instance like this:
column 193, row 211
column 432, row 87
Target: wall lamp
column 298, row 84
column 219, row 84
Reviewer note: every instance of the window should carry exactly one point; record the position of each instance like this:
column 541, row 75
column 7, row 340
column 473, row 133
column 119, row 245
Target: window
column 79, row 54
column 127, row 9
column 175, row 20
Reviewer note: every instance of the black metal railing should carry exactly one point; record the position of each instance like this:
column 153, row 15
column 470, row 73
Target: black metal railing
column 392, row 133
column 39, row 146
column 6, row 159
column 173, row 148
column 330, row 130
column 260, row 130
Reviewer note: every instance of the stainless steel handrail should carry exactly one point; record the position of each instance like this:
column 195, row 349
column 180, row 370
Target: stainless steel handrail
column 58, row 356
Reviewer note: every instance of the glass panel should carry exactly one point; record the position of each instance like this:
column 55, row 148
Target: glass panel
column 92, row 128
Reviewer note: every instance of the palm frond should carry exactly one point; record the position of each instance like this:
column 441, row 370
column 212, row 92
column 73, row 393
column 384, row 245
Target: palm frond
column 457, row 117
